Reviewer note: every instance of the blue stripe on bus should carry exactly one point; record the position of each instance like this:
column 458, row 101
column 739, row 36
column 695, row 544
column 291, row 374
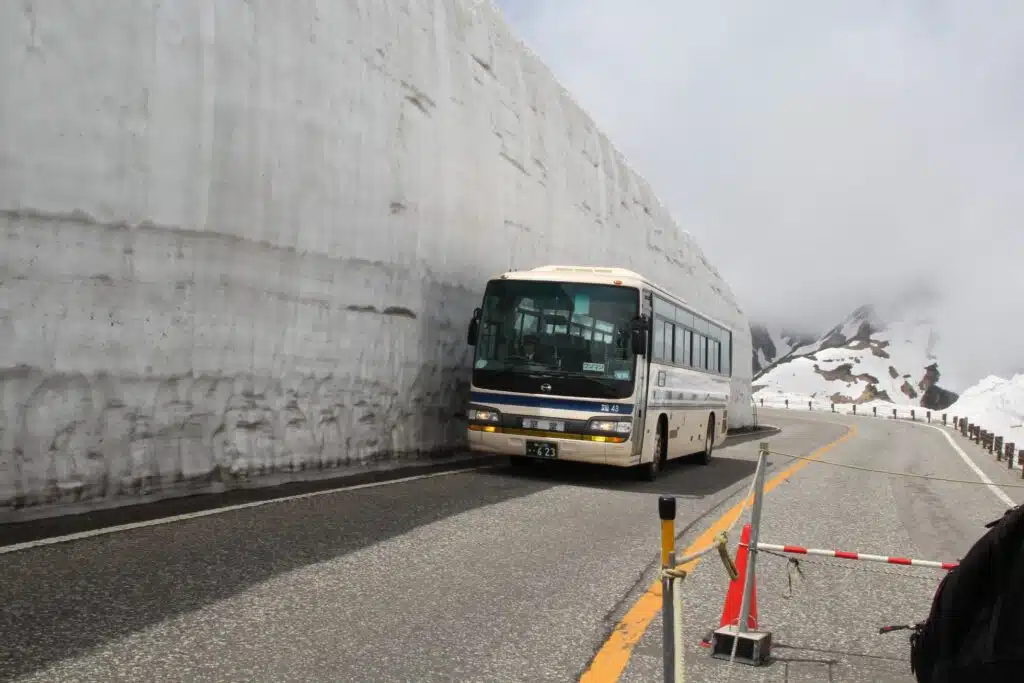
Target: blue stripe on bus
column 557, row 403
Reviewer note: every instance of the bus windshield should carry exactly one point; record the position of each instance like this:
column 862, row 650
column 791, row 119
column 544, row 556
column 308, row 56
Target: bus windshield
column 573, row 337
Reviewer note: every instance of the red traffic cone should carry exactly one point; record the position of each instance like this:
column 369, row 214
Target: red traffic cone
column 734, row 596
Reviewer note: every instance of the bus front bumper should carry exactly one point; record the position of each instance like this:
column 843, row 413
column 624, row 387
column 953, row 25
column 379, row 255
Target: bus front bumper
column 574, row 450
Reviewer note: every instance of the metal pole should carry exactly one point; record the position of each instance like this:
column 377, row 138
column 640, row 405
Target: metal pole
column 677, row 629
column 667, row 513
column 755, row 525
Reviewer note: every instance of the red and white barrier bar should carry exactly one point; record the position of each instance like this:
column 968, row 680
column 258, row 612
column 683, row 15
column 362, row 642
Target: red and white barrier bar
column 843, row 555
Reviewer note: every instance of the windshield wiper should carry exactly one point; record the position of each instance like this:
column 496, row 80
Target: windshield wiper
column 600, row 381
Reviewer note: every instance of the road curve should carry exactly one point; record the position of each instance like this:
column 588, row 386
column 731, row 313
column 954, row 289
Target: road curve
column 486, row 575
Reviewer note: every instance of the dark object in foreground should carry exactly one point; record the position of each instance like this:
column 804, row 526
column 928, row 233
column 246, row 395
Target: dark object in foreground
column 974, row 629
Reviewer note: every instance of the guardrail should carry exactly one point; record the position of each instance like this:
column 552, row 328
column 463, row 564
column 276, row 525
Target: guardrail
column 991, row 443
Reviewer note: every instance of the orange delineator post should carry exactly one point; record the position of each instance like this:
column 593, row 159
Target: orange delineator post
column 734, row 596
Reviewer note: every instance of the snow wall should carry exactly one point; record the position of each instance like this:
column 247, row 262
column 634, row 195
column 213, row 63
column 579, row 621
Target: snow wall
column 241, row 241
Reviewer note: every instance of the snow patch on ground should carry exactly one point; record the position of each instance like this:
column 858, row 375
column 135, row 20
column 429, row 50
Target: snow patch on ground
column 997, row 405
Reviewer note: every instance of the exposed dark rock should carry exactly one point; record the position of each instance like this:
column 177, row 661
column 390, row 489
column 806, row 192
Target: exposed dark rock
column 844, row 373
column 872, row 393
column 762, row 340
column 908, row 390
column 935, row 397
column 841, row 372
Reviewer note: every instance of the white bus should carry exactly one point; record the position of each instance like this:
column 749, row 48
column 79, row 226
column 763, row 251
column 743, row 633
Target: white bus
column 596, row 365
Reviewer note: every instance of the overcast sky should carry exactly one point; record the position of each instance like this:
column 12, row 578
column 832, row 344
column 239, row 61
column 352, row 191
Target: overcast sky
column 825, row 154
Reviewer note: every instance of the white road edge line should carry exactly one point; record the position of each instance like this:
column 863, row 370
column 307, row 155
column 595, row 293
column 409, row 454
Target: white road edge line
column 998, row 492
column 220, row 510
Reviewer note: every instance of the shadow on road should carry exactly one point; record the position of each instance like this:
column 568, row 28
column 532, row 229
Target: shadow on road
column 681, row 477
column 60, row 601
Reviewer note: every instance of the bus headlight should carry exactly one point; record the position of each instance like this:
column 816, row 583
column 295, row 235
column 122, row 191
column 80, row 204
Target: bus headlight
column 479, row 415
column 611, row 427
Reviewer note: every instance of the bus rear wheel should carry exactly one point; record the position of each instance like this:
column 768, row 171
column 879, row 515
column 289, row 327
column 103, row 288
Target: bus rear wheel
column 709, row 444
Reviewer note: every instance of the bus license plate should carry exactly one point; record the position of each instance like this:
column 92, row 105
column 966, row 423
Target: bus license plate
column 545, row 425
column 541, row 449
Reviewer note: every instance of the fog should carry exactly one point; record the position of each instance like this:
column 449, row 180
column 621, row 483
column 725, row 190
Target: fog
column 825, row 155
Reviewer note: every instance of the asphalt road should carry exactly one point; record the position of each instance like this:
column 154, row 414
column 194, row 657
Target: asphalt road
column 495, row 574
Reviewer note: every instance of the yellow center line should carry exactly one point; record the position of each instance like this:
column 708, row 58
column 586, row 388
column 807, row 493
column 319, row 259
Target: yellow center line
column 610, row 661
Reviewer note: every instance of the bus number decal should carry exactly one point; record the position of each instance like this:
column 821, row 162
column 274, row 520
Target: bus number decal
column 612, row 408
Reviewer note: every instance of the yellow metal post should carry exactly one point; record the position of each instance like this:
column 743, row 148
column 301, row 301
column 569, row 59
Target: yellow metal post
column 668, row 538
column 667, row 513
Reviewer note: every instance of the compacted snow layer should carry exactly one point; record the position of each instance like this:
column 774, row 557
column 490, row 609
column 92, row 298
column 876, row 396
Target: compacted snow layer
column 243, row 239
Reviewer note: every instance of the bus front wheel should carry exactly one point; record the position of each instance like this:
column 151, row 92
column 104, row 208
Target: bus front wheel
column 652, row 469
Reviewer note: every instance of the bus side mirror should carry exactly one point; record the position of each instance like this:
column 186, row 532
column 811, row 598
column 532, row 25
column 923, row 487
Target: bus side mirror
column 638, row 336
column 474, row 327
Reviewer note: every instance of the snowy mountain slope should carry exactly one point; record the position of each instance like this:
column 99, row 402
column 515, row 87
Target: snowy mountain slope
column 860, row 360
column 772, row 343
column 997, row 405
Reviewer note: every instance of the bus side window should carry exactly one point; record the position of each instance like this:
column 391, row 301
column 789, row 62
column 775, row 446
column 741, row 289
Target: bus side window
column 682, row 356
column 727, row 354
column 659, row 339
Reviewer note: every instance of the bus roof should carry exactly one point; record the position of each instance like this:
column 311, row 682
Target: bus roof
column 601, row 275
